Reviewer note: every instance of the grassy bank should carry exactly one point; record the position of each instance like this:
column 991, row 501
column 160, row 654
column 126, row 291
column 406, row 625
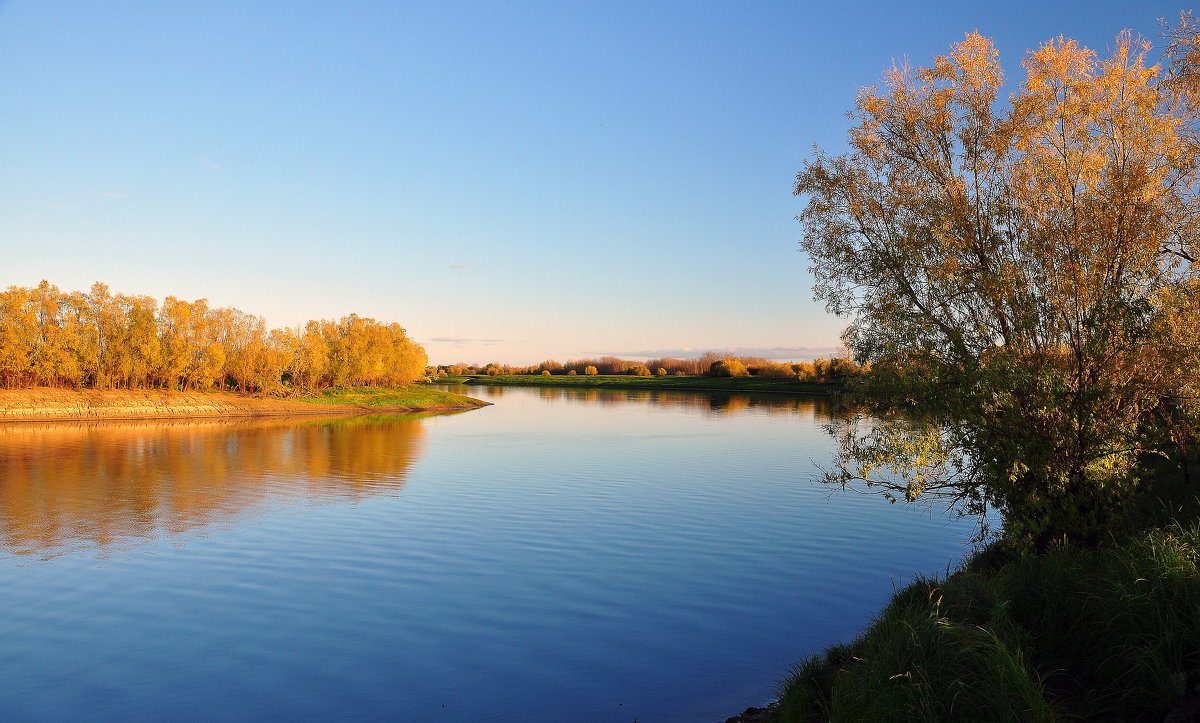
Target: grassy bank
column 623, row 381
column 1077, row 634
column 49, row 404
column 415, row 397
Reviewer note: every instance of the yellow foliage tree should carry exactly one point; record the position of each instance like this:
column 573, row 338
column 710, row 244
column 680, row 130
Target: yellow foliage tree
column 103, row 341
column 1008, row 258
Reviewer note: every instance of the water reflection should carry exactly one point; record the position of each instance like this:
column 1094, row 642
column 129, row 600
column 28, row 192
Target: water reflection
column 64, row 485
column 715, row 402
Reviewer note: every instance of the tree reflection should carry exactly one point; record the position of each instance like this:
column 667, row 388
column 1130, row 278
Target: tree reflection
column 717, row 403
column 114, row 482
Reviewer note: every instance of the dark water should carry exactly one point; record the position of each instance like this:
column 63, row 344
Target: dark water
column 565, row 555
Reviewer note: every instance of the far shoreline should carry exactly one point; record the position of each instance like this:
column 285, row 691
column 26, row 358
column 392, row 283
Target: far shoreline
column 750, row 384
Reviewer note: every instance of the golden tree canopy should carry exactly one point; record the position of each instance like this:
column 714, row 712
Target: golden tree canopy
column 1007, row 262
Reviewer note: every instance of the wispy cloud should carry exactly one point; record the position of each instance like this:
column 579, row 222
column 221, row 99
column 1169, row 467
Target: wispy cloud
column 206, row 163
column 458, row 266
column 463, row 340
column 774, row 352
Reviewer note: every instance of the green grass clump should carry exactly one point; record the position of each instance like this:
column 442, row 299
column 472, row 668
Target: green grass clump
column 1076, row 634
column 412, row 397
column 693, row 383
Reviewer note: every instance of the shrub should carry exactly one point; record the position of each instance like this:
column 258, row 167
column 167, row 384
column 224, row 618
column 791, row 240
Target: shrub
column 571, row 373
column 728, row 368
column 661, row 372
column 590, row 371
column 776, row 371
column 805, row 371
column 639, row 370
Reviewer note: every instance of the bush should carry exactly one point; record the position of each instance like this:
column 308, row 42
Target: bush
column 805, row 371
column 545, row 372
column 728, row 368
column 661, row 372
column 571, row 373
column 639, row 370
column 775, row 371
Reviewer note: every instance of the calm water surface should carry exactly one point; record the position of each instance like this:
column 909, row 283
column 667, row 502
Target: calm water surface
column 564, row 555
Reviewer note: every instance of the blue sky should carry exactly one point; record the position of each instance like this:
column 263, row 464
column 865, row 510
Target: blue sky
column 509, row 181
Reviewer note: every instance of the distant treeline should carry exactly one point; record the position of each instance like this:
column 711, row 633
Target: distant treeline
column 104, row 341
column 709, row 364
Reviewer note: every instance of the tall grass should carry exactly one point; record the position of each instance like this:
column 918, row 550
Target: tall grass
column 1102, row 634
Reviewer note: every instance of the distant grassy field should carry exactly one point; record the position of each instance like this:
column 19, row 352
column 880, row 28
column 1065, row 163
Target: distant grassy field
column 413, row 397
column 622, row 381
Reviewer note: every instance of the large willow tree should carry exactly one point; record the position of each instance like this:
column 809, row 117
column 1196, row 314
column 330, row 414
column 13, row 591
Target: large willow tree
column 1017, row 270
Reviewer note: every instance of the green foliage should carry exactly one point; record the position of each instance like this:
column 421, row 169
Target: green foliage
column 1086, row 634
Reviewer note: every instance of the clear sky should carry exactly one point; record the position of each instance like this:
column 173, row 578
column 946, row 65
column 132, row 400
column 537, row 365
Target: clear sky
column 510, row 181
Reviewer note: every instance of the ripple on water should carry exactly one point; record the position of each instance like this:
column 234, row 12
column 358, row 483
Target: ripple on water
column 555, row 557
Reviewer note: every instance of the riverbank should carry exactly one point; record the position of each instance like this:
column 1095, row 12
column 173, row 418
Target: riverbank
column 624, row 381
column 1105, row 633
column 47, row 404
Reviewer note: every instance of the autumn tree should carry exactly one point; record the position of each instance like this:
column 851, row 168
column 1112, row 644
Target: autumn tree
column 1005, row 261
column 98, row 340
column 728, row 368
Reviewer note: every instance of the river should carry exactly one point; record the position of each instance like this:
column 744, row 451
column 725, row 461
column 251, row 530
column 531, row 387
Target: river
column 563, row 555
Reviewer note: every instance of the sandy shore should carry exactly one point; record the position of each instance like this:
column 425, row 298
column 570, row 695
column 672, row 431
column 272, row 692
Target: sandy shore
column 42, row 404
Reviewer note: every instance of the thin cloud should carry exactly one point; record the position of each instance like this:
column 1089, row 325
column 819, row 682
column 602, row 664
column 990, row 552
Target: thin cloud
column 462, row 340
column 458, row 266
column 205, row 163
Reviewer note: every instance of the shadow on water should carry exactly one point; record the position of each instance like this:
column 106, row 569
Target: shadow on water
column 113, row 483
